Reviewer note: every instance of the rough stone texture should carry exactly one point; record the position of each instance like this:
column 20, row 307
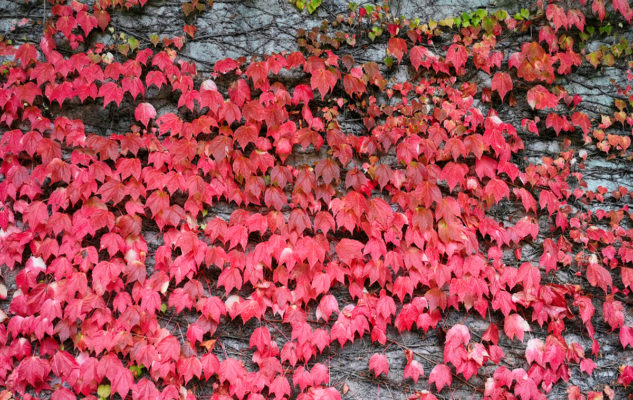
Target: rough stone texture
column 253, row 27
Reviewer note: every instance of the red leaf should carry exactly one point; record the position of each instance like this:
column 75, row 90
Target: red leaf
column 497, row 188
column 26, row 53
column 397, row 47
column 226, row 65
column 420, row 56
column 144, row 112
column 379, row 364
column 597, row 275
column 320, row 374
column 324, row 80
column 556, row 15
column 328, row 170
column 528, row 201
column 34, row 371
column 260, row 338
column 515, row 325
column 598, row 8
column 623, row 7
column 210, row 365
column 626, row 336
column 457, row 55
column 587, row 365
column 441, row 376
column 121, row 381
column 231, row 370
column 502, row 83
column 540, row 98
column 327, row 306
column 110, row 91
column 302, row 378
column 413, row 370
column 280, row 387
column 349, row 249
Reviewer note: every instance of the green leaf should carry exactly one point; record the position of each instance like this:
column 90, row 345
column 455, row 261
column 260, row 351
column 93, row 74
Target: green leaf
column 133, row 42
column 481, row 13
column 389, row 61
column 163, row 307
column 525, row 13
column 300, row 4
column 103, row 391
column 501, row 15
column 137, row 370
column 488, row 24
column 313, row 5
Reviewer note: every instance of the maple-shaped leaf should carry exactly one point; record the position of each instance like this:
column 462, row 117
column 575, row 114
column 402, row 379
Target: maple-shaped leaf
column 379, row 364
column 26, row 53
column 420, row 56
column 413, row 370
column 502, row 83
column 441, row 376
column 65, row 366
column 327, row 306
column 260, row 338
column 324, row 80
column 302, row 378
column 34, row 371
column 540, row 98
column 280, row 387
column 110, row 91
column 626, row 336
column 210, row 365
column 302, row 93
column 155, row 78
column 528, row 388
column 454, row 174
column 169, row 348
column 188, row 367
column 60, row 394
column 320, row 374
column 349, row 249
column 528, row 201
column 232, row 371
column 624, row 8
column 497, row 189
column 144, row 112
column 515, row 325
column 121, row 380
column 397, row 47
column 587, row 365
column 534, row 351
column 599, row 276
column 328, row 170
column 457, row 55
column 226, row 65
column 557, row 16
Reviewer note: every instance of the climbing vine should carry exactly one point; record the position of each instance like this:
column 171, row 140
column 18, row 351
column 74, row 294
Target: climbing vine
column 360, row 206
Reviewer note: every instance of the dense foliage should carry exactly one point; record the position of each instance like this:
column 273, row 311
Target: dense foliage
column 391, row 223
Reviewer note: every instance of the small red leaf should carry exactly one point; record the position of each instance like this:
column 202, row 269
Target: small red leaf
column 441, row 376
column 379, row 364
column 502, row 83
column 144, row 112
column 515, row 325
